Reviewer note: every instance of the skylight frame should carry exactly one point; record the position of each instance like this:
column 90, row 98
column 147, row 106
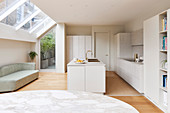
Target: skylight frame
column 9, row 10
column 38, row 25
column 48, row 26
column 17, row 27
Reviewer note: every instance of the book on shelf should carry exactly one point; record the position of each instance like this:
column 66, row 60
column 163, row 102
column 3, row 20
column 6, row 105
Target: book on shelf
column 164, row 24
column 164, row 84
column 164, row 43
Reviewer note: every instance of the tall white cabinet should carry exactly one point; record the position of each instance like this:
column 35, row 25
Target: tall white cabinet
column 156, row 74
column 124, row 49
column 77, row 46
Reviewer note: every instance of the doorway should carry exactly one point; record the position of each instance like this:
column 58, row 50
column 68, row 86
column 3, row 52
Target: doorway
column 102, row 47
column 47, row 51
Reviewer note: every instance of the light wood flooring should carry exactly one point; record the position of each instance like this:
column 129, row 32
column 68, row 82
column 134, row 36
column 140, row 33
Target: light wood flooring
column 53, row 81
column 116, row 86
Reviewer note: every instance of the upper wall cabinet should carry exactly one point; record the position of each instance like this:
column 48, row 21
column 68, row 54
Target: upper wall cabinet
column 124, row 49
column 137, row 37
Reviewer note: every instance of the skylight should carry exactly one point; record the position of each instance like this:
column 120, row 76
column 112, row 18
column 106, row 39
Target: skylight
column 22, row 14
column 6, row 4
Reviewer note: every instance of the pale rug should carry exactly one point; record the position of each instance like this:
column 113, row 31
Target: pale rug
column 116, row 86
column 60, row 101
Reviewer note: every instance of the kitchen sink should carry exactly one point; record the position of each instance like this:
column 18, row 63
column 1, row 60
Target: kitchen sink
column 93, row 60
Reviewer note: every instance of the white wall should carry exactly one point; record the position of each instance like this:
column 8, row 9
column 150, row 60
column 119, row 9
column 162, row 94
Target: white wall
column 60, row 48
column 14, row 51
column 137, row 23
column 8, row 32
column 79, row 30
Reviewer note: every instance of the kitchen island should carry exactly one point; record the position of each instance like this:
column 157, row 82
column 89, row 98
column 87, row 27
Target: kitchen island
column 89, row 77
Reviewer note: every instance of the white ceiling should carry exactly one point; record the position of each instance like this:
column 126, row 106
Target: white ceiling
column 96, row 12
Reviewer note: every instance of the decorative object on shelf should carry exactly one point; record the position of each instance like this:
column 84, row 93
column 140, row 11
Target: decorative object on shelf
column 136, row 56
column 164, row 64
column 32, row 55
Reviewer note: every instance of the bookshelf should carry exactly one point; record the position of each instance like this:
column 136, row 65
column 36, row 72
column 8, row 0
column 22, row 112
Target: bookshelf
column 156, row 60
column 163, row 59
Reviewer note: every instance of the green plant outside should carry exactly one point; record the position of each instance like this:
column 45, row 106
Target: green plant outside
column 47, row 44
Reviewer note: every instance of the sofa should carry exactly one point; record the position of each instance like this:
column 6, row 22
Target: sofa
column 15, row 76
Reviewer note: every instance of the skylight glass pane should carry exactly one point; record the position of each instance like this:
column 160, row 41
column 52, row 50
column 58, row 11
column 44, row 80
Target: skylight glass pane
column 5, row 4
column 34, row 21
column 43, row 25
column 20, row 14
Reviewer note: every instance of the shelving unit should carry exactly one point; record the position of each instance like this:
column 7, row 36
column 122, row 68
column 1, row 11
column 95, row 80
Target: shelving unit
column 157, row 59
column 163, row 40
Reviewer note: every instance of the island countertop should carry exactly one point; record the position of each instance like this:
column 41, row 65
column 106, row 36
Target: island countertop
column 72, row 63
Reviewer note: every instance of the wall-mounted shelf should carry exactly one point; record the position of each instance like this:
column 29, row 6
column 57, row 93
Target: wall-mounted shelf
column 165, row 51
column 164, row 89
column 163, row 32
column 138, row 45
column 162, row 69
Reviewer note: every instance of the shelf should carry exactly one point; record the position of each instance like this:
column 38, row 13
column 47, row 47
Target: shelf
column 138, row 45
column 164, row 89
column 162, row 32
column 163, row 69
column 164, row 13
column 165, row 51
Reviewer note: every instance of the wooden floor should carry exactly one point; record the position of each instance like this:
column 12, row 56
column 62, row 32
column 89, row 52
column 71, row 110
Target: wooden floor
column 116, row 86
column 53, row 81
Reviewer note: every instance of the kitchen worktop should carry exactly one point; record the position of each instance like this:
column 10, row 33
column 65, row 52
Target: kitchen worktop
column 72, row 63
column 131, row 60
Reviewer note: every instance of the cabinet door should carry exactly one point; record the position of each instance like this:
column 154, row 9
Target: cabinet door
column 88, row 46
column 76, row 78
column 69, row 48
column 125, row 50
column 151, row 58
column 79, row 47
column 95, row 79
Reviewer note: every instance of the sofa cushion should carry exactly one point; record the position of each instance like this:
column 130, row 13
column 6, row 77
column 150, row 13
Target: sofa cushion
column 9, row 69
column 18, row 79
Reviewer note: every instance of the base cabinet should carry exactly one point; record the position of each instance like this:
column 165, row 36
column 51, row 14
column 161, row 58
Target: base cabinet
column 132, row 73
column 95, row 79
column 76, row 78
column 87, row 78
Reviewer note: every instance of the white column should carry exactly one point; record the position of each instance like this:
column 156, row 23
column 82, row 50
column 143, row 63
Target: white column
column 60, row 48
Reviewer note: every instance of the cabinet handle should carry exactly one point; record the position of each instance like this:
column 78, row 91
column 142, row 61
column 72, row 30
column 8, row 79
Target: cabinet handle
column 107, row 55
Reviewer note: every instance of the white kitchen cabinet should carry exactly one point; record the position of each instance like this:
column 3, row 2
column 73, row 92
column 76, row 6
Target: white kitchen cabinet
column 90, row 77
column 95, row 79
column 124, row 48
column 137, row 38
column 76, row 78
column 151, row 58
column 132, row 73
column 77, row 47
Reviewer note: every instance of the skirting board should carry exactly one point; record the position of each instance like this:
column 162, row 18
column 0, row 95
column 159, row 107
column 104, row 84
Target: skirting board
column 155, row 104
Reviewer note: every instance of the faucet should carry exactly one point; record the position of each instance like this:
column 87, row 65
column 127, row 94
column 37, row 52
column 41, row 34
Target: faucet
column 87, row 53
